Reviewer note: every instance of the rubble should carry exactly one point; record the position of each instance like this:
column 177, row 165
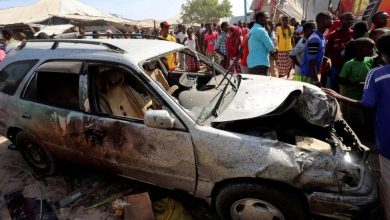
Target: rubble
column 84, row 194
column 138, row 202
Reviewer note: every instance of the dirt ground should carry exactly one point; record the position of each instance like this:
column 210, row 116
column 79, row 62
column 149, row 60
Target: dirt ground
column 15, row 174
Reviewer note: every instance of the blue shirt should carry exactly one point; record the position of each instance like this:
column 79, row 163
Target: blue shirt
column 314, row 50
column 377, row 96
column 260, row 45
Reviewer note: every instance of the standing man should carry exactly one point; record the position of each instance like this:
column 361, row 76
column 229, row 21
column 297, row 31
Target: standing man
column 181, row 34
column 380, row 19
column 202, row 33
column 315, row 50
column 8, row 37
column 376, row 96
column 165, row 34
column 294, row 23
column 336, row 44
column 220, row 47
column 180, row 37
column 109, row 34
column 260, row 45
column 297, row 53
column 136, row 32
column 202, row 28
column 244, row 30
column 210, row 39
column 20, row 36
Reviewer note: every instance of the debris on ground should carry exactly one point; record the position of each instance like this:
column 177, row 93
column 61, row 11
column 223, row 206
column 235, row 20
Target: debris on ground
column 79, row 193
column 20, row 207
column 170, row 209
column 118, row 207
column 136, row 203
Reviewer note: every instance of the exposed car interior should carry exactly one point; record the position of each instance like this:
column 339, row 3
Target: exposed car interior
column 119, row 93
column 196, row 84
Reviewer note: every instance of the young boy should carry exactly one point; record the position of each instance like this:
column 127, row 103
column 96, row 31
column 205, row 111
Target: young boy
column 376, row 96
column 351, row 80
column 354, row 72
column 297, row 53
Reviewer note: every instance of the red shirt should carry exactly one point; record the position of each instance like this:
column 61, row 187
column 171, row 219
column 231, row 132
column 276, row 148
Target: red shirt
column 336, row 44
column 245, row 51
column 244, row 31
column 336, row 25
column 211, row 40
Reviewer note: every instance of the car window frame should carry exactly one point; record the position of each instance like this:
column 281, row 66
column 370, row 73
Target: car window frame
column 144, row 80
column 34, row 74
column 20, row 81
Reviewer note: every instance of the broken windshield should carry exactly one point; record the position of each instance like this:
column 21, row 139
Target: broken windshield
column 212, row 89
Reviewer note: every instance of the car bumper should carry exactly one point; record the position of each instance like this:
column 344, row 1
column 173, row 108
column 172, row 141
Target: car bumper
column 360, row 201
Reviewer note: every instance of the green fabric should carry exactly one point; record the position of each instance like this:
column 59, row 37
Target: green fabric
column 301, row 78
column 355, row 72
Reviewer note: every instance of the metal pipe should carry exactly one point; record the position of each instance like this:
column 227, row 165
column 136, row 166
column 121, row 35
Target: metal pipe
column 245, row 11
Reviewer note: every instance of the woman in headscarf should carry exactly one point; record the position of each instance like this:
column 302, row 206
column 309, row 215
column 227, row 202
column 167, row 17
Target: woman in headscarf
column 285, row 36
column 233, row 44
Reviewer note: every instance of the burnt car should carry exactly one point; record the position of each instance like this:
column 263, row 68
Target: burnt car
column 253, row 147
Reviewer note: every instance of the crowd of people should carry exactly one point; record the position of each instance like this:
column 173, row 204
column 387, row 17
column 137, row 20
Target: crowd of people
column 343, row 55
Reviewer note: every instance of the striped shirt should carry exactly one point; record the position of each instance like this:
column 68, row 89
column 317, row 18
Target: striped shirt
column 314, row 51
column 377, row 96
column 221, row 43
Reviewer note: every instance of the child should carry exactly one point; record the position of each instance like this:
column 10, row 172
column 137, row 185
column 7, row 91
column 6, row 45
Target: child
column 351, row 80
column 354, row 72
column 376, row 96
column 191, row 41
column 297, row 53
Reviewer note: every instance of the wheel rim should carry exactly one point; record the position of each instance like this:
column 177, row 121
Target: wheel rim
column 37, row 156
column 249, row 208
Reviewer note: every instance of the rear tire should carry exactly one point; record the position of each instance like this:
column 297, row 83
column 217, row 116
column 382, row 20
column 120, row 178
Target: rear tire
column 255, row 201
column 36, row 156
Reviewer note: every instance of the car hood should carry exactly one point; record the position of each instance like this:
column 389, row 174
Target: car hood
column 260, row 96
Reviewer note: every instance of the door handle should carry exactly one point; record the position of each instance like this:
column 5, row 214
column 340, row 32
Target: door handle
column 26, row 116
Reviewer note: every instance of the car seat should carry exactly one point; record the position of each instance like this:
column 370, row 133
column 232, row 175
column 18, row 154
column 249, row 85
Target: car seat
column 120, row 99
column 156, row 74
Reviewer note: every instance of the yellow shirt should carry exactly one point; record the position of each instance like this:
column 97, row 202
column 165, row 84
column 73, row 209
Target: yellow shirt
column 284, row 38
column 170, row 57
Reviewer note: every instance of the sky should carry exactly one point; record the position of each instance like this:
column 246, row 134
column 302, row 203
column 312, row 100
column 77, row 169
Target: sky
column 136, row 9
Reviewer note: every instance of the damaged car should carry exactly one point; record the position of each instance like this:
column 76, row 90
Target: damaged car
column 253, row 147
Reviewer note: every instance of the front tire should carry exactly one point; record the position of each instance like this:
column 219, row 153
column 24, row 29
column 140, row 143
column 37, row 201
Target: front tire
column 36, row 156
column 255, row 201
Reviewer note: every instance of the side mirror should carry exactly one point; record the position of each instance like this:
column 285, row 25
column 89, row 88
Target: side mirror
column 159, row 119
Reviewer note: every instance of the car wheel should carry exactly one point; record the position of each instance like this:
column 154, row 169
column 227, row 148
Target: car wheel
column 36, row 156
column 255, row 201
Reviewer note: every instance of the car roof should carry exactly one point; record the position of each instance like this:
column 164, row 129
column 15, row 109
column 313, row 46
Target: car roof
column 135, row 50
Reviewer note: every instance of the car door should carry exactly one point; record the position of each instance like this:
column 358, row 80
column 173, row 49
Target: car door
column 50, row 101
column 117, row 138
